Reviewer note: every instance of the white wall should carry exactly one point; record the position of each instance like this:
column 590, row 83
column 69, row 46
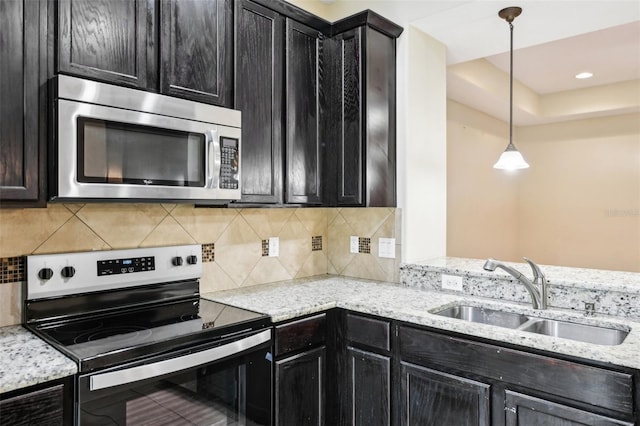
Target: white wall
column 422, row 147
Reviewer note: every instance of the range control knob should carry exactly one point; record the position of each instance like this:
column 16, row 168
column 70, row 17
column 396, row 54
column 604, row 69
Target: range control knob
column 177, row 261
column 68, row 271
column 45, row 273
column 192, row 260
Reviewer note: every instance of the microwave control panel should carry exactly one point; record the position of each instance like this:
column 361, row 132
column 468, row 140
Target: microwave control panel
column 229, row 158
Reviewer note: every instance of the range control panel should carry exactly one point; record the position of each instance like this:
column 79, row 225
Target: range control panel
column 62, row 274
column 126, row 266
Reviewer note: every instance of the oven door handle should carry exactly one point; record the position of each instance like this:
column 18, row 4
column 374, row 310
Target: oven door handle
column 148, row 371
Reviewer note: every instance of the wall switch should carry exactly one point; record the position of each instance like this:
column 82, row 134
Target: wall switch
column 451, row 282
column 387, row 247
column 354, row 244
column 274, row 246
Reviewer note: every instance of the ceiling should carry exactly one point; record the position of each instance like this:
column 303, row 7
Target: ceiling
column 553, row 41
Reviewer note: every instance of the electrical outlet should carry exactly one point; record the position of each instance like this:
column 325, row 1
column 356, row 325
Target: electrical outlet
column 354, row 244
column 387, row 247
column 451, row 282
column 274, row 247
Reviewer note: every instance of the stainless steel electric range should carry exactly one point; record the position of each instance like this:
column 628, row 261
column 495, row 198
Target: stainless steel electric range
column 150, row 350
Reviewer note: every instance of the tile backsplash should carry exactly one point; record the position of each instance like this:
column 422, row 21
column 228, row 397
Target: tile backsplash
column 313, row 241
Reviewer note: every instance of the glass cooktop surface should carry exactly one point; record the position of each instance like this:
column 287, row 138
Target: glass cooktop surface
column 149, row 330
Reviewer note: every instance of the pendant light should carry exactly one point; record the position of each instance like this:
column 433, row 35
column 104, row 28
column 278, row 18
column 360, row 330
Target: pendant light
column 511, row 159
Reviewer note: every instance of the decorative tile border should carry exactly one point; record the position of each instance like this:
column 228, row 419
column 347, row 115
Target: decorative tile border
column 364, row 245
column 208, row 252
column 316, row 243
column 13, row 269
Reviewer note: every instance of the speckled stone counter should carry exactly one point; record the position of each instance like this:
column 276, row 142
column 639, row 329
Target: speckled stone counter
column 290, row 299
column 613, row 292
column 27, row 360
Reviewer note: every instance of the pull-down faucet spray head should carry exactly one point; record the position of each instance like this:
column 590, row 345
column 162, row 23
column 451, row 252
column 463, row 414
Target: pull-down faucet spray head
column 538, row 297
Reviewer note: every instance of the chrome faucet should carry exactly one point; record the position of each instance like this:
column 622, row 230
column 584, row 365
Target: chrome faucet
column 538, row 296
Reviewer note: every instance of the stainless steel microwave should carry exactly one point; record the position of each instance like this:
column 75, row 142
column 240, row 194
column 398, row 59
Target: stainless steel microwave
column 113, row 143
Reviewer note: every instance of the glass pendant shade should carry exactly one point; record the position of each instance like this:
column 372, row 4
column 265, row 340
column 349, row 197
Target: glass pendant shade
column 511, row 159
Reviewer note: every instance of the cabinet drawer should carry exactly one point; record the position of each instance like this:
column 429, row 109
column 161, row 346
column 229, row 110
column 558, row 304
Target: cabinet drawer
column 608, row 389
column 300, row 334
column 368, row 331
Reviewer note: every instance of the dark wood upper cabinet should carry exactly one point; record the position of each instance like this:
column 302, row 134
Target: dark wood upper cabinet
column 303, row 83
column 119, row 42
column 259, row 53
column 361, row 153
column 196, row 46
column 23, row 73
column 278, row 88
column 108, row 40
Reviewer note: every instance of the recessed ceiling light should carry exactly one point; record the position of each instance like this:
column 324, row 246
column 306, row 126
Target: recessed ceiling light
column 583, row 75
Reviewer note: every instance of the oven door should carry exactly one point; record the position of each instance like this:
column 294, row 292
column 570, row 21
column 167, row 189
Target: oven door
column 227, row 384
column 105, row 152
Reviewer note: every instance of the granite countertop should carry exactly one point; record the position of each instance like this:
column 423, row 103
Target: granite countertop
column 290, row 299
column 27, row 360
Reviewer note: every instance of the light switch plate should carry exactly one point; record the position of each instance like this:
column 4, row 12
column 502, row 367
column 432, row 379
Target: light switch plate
column 387, row 247
column 451, row 282
column 354, row 244
column 274, row 247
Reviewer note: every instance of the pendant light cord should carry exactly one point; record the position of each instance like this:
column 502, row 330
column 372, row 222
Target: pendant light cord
column 511, row 86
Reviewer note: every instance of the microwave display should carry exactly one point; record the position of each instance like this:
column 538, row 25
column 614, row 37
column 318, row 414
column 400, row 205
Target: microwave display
column 116, row 152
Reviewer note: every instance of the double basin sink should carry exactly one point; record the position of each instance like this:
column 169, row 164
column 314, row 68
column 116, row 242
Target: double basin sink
column 556, row 328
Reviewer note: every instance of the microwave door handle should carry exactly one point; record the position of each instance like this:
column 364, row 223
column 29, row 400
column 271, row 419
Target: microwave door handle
column 212, row 158
column 173, row 365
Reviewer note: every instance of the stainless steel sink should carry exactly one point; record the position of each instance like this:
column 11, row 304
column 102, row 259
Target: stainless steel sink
column 574, row 331
column 598, row 335
column 485, row 316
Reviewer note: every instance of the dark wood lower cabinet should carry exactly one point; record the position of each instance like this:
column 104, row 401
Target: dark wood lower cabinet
column 525, row 410
column 369, row 390
column 385, row 372
column 47, row 404
column 300, row 383
column 43, row 407
column 430, row 397
column 300, row 371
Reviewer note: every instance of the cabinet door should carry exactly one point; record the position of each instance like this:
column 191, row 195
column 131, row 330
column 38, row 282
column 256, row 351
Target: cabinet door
column 303, row 97
column 300, row 386
column 361, row 158
column 22, row 105
column 109, row 40
column 369, row 393
column 43, row 407
column 380, row 90
column 259, row 52
column 430, row 397
column 345, row 157
column 196, row 50
column 525, row 410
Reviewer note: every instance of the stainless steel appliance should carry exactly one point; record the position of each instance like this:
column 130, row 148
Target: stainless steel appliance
column 115, row 143
column 149, row 350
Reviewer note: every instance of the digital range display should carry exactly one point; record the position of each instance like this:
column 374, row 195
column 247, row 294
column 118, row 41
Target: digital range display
column 126, row 266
